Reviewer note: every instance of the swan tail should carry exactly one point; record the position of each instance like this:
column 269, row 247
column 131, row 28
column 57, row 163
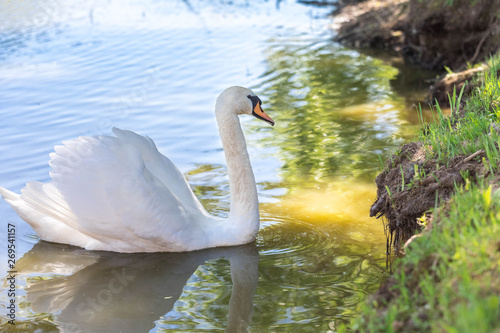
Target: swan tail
column 42, row 206
column 46, row 199
column 8, row 195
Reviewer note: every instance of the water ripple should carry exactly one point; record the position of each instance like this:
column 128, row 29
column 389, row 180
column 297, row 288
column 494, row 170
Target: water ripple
column 155, row 67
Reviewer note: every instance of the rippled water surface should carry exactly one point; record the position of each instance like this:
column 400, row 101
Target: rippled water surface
column 155, row 67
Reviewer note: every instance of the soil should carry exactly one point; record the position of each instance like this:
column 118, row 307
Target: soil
column 371, row 24
column 438, row 35
column 430, row 34
column 412, row 184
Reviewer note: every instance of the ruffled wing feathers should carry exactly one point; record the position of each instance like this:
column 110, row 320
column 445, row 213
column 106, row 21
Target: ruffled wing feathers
column 113, row 193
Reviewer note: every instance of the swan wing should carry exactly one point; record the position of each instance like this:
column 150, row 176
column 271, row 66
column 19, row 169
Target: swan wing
column 161, row 167
column 114, row 191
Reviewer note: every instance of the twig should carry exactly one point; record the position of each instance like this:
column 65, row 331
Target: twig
column 427, row 229
column 468, row 159
column 411, row 239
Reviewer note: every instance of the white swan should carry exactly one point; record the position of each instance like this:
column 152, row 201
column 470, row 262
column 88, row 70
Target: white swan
column 120, row 194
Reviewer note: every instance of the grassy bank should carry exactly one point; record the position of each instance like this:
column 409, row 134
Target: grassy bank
column 449, row 279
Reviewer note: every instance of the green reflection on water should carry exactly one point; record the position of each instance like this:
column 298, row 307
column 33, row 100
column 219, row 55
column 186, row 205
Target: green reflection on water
column 334, row 109
column 335, row 113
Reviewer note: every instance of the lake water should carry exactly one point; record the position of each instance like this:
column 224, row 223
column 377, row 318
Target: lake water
column 156, row 67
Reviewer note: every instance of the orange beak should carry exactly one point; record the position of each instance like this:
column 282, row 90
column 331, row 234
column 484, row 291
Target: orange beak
column 259, row 113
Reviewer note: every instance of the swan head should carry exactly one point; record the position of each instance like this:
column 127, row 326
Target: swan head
column 240, row 100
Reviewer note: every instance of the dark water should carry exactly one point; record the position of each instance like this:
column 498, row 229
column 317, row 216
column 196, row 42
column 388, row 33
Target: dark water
column 156, row 67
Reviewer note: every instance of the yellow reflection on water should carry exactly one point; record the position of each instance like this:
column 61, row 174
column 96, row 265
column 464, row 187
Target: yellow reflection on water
column 338, row 207
column 371, row 111
column 339, row 201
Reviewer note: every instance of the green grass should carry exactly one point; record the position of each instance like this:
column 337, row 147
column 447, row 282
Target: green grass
column 448, row 137
column 449, row 279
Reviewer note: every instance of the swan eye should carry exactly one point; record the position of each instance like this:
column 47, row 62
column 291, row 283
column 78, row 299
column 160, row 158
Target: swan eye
column 257, row 110
column 255, row 101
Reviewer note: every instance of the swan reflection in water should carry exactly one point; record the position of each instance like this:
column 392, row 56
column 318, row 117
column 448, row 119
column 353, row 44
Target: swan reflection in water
column 112, row 292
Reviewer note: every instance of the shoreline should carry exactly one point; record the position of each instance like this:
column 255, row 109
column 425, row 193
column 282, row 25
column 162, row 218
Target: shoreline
column 440, row 194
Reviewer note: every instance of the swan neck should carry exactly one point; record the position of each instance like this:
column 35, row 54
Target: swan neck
column 244, row 212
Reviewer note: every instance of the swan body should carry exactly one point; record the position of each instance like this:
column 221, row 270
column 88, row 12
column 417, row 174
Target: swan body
column 119, row 193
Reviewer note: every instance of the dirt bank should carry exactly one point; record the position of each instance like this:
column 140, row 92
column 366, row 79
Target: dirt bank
column 430, row 33
column 459, row 148
column 412, row 184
